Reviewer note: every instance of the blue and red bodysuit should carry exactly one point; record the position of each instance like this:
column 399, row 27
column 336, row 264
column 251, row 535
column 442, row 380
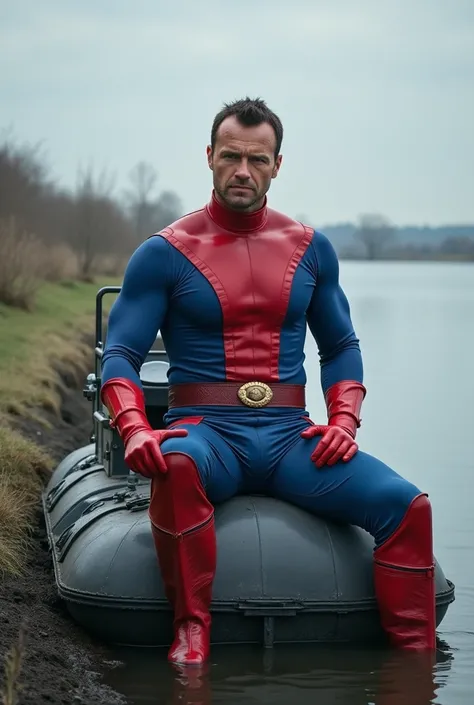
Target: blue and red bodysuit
column 233, row 295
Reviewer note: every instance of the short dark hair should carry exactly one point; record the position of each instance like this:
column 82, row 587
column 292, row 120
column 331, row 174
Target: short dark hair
column 249, row 112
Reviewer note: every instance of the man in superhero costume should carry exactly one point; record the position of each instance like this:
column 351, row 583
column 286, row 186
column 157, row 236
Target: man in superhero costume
column 232, row 287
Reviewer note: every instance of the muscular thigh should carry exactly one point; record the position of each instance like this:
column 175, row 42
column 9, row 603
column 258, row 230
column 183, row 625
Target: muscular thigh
column 364, row 491
column 218, row 467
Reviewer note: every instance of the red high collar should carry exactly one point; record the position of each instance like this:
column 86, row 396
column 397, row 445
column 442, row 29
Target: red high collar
column 236, row 221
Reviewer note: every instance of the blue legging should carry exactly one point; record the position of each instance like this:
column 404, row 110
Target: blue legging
column 266, row 454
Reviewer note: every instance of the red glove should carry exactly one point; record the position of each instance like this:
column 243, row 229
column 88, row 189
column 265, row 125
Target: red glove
column 343, row 402
column 336, row 444
column 143, row 453
column 126, row 405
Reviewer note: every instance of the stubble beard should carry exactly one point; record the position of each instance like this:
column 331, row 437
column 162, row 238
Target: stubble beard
column 239, row 204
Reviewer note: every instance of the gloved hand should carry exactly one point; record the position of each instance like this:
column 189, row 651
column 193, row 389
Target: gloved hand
column 336, row 444
column 126, row 405
column 343, row 403
column 143, row 453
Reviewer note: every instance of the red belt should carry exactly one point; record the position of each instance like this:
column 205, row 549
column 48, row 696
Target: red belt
column 252, row 394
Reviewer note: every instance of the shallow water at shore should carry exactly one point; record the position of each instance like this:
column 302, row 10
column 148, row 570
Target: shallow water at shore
column 415, row 324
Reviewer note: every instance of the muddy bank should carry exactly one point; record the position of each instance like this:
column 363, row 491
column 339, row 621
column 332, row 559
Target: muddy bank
column 61, row 664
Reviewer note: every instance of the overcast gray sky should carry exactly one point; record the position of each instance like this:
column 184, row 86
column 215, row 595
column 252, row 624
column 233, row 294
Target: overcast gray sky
column 376, row 96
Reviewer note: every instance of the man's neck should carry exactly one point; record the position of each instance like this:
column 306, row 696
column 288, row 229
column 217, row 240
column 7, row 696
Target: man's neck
column 236, row 220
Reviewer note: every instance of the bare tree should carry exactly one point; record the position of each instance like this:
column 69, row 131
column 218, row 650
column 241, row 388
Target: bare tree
column 168, row 208
column 88, row 220
column 100, row 227
column 143, row 178
column 376, row 233
column 458, row 246
column 23, row 181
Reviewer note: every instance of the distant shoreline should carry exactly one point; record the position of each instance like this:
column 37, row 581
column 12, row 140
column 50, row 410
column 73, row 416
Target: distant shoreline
column 435, row 258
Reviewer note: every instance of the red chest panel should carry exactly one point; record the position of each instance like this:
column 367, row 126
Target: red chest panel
column 251, row 274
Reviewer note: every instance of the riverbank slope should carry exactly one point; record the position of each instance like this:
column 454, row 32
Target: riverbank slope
column 44, row 358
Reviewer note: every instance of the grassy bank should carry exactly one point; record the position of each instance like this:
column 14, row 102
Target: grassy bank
column 33, row 346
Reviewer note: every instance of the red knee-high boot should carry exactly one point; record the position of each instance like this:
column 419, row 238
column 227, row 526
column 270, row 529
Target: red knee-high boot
column 183, row 530
column 404, row 580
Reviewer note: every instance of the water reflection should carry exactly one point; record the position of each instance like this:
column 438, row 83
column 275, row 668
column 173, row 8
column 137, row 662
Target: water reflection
column 309, row 674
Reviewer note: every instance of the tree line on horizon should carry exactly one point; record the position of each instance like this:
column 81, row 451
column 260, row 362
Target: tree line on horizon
column 50, row 233
column 375, row 237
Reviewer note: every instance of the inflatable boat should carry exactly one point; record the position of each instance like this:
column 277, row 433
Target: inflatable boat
column 283, row 575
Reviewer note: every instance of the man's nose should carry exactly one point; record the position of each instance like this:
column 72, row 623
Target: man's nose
column 243, row 172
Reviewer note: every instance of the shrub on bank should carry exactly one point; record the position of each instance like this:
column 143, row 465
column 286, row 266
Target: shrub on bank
column 21, row 265
column 27, row 262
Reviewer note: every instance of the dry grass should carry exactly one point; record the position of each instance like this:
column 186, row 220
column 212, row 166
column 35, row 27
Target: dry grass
column 32, row 346
column 21, row 265
column 27, row 262
column 61, row 264
column 23, row 469
column 13, row 664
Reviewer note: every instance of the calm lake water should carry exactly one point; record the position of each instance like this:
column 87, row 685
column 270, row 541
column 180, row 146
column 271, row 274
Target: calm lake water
column 416, row 327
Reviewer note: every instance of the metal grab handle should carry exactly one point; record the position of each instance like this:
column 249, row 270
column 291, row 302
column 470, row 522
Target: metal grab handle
column 101, row 419
column 98, row 310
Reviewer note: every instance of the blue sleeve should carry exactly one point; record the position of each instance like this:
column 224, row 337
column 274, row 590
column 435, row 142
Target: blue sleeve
column 138, row 312
column 329, row 319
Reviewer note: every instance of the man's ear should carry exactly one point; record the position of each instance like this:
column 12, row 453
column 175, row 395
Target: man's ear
column 209, row 156
column 277, row 166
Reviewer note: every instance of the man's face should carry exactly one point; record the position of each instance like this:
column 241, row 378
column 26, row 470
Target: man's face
column 243, row 163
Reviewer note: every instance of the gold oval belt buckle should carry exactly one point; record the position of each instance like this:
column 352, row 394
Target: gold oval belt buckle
column 255, row 394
